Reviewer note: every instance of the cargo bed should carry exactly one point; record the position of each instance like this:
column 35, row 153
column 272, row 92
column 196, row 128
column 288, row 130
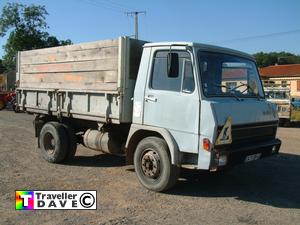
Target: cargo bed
column 93, row 81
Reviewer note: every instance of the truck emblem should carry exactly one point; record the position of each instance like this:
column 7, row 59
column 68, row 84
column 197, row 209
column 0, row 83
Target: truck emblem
column 225, row 136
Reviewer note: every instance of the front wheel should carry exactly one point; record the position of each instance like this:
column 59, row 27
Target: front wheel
column 153, row 165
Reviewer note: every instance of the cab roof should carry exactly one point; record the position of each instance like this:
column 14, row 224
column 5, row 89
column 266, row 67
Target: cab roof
column 203, row 47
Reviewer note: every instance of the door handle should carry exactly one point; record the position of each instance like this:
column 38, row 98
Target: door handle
column 150, row 98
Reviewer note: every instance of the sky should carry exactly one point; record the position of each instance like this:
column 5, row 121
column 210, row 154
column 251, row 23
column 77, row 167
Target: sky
column 249, row 26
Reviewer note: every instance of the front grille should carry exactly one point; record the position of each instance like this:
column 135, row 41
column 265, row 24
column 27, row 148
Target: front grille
column 251, row 133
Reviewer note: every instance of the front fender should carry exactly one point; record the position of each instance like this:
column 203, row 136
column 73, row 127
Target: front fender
column 136, row 130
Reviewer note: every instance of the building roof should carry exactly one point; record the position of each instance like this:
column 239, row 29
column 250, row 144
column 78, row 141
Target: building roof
column 291, row 70
column 228, row 73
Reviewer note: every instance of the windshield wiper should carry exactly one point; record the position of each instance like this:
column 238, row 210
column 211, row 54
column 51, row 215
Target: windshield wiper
column 249, row 88
column 231, row 91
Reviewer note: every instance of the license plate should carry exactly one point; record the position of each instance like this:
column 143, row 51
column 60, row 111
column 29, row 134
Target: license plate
column 253, row 157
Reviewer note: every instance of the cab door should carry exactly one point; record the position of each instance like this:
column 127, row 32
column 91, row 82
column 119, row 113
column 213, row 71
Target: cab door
column 171, row 98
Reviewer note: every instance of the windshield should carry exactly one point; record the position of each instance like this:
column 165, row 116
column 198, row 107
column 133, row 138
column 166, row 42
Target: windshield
column 228, row 75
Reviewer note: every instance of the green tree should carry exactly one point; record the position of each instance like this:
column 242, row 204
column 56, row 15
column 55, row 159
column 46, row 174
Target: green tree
column 26, row 26
column 272, row 58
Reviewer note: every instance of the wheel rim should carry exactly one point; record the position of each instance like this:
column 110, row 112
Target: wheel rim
column 49, row 143
column 150, row 164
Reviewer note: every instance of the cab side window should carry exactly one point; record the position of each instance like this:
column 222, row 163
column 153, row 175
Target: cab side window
column 182, row 81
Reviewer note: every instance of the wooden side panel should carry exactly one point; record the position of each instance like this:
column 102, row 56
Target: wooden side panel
column 92, row 81
column 87, row 66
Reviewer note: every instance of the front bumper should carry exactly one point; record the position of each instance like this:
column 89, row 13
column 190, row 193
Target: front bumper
column 237, row 154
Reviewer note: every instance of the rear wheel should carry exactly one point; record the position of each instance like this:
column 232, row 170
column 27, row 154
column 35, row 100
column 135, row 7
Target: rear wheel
column 284, row 123
column 15, row 106
column 287, row 123
column 72, row 142
column 53, row 142
column 153, row 165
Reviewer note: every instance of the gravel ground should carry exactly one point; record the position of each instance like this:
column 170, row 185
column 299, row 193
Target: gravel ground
column 262, row 192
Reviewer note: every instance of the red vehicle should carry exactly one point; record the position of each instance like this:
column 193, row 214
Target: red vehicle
column 8, row 99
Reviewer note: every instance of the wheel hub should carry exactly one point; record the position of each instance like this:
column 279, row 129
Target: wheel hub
column 150, row 164
column 52, row 143
column 49, row 143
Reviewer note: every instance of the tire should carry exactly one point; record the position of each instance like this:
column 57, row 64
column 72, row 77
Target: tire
column 287, row 123
column 72, row 142
column 15, row 106
column 53, row 142
column 153, row 165
column 219, row 173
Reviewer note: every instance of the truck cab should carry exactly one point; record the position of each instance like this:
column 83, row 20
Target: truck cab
column 207, row 102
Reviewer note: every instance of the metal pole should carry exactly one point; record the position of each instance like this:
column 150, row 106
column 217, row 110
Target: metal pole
column 136, row 21
column 136, row 27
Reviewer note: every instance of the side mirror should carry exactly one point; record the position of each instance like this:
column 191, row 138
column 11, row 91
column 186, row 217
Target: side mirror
column 173, row 65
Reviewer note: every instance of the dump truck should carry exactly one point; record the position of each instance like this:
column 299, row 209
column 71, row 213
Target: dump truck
column 287, row 107
column 163, row 105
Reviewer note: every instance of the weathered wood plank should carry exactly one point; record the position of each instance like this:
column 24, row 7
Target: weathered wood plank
column 72, row 86
column 79, row 77
column 72, row 56
column 89, row 65
column 75, row 47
